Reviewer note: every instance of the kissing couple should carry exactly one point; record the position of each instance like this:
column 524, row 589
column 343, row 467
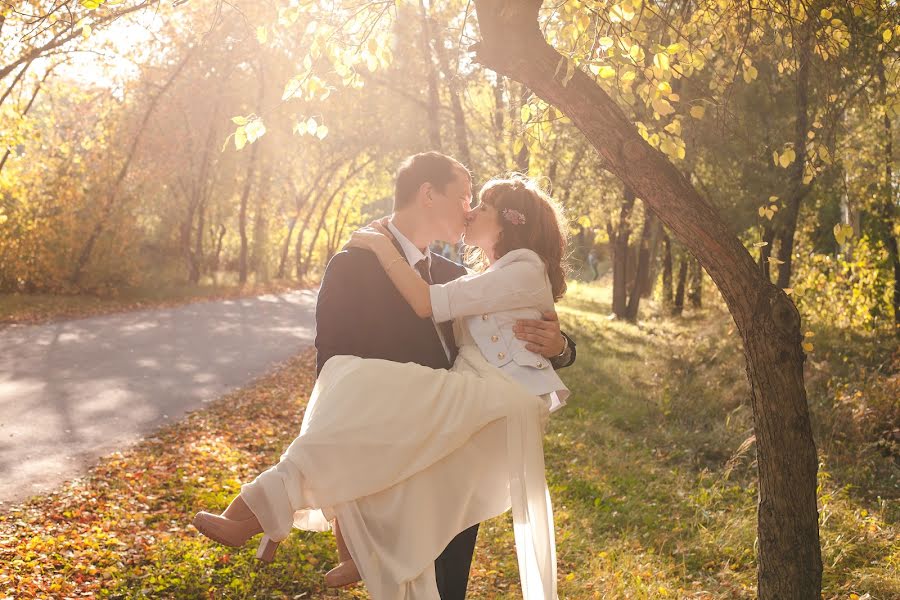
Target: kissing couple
column 435, row 384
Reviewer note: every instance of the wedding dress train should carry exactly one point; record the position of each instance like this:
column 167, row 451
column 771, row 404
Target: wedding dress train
column 406, row 457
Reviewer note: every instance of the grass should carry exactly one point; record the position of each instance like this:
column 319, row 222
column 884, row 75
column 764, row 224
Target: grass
column 41, row 308
column 651, row 468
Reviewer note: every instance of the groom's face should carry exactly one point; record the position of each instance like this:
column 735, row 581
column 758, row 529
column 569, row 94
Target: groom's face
column 451, row 206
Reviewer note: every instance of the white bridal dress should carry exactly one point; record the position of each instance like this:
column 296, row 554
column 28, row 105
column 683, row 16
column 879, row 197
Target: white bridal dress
column 406, row 457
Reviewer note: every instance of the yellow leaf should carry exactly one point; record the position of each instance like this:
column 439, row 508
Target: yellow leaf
column 698, row 111
column 240, row 138
column 570, row 577
column 887, row 35
column 788, row 291
column 662, row 106
column 311, row 126
column 606, row 72
column 787, row 158
column 760, row 244
column 321, row 132
column 262, row 34
column 750, row 74
column 825, row 14
column 762, row 211
column 239, row 120
column 807, row 347
column 3, row 219
column 255, row 129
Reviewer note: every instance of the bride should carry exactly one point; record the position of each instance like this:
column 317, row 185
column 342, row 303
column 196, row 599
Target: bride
column 404, row 457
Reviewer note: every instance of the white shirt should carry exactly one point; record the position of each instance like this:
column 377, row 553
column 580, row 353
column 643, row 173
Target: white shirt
column 487, row 306
column 413, row 257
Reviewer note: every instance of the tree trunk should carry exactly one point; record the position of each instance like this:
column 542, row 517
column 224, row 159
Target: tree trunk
column 259, row 256
column 766, row 251
column 678, row 306
column 618, row 238
column 242, row 215
column 790, row 564
column 643, row 266
column 198, row 243
column 243, row 265
column 217, row 254
column 695, row 292
column 451, row 78
column 285, row 248
column 888, row 207
column 187, row 229
column 434, row 100
column 499, row 130
column 667, row 272
column 523, row 156
column 797, row 189
column 655, row 237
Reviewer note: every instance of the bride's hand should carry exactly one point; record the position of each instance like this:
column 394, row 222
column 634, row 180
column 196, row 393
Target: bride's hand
column 372, row 237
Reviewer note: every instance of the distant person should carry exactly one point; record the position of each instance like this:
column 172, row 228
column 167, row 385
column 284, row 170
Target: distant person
column 593, row 260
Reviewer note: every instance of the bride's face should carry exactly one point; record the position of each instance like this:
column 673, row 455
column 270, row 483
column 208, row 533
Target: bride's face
column 483, row 227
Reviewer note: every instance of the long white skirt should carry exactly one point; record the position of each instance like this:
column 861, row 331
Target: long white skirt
column 406, row 457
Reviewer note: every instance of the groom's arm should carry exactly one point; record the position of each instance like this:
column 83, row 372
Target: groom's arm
column 338, row 310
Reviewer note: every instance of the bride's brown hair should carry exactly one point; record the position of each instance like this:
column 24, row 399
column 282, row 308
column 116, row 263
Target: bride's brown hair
column 544, row 228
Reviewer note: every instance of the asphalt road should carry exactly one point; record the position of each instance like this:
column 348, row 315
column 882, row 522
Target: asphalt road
column 73, row 391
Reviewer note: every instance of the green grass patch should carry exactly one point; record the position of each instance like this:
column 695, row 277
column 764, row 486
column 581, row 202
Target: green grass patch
column 651, row 467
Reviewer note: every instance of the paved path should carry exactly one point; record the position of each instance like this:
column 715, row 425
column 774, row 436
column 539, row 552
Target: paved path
column 75, row 390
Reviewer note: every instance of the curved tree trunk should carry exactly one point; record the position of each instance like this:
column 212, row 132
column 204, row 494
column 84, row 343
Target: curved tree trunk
column 790, row 564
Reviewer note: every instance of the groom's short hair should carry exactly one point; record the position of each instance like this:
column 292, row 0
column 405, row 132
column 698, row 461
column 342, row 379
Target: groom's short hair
column 427, row 167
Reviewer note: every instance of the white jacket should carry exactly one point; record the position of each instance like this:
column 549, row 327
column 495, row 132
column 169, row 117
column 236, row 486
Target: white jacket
column 489, row 303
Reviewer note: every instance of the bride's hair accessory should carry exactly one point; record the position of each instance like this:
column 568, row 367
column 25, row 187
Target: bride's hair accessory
column 513, row 216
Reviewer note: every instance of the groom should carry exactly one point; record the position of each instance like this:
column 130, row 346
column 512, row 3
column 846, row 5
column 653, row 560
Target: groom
column 360, row 312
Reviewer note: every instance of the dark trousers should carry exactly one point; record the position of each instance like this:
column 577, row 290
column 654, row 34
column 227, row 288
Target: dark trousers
column 451, row 569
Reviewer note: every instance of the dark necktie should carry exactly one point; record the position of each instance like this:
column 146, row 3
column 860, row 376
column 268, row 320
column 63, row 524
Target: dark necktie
column 447, row 326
